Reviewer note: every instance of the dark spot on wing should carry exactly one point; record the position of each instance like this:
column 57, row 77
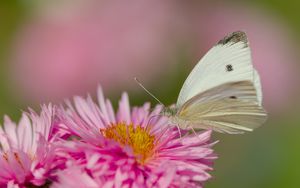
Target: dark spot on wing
column 233, row 97
column 229, row 68
column 235, row 37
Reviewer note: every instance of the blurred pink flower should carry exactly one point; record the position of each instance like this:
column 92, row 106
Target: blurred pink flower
column 26, row 154
column 70, row 49
column 132, row 148
column 271, row 45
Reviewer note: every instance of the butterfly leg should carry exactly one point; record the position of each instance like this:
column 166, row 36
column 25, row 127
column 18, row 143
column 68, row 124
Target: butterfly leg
column 178, row 128
column 188, row 126
column 151, row 118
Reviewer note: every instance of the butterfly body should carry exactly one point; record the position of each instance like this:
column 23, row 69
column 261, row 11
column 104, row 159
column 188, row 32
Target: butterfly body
column 223, row 91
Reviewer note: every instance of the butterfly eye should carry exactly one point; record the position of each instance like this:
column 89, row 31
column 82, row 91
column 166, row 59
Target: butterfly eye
column 229, row 68
column 233, row 97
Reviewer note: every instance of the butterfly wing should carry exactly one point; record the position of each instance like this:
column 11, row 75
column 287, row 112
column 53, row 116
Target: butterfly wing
column 228, row 61
column 231, row 108
column 257, row 87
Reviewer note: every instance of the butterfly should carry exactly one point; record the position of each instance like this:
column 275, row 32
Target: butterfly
column 223, row 92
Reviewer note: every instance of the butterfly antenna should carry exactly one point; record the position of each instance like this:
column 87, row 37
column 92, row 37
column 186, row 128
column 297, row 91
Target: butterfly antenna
column 141, row 85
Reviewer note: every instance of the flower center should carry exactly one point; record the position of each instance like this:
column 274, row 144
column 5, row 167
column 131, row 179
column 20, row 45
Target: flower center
column 137, row 137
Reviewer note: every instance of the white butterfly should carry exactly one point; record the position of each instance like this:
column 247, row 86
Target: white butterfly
column 223, row 91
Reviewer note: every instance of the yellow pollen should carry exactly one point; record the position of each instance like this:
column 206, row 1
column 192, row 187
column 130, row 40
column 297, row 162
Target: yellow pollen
column 137, row 137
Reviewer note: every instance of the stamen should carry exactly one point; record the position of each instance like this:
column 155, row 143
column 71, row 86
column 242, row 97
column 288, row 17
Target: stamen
column 18, row 159
column 137, row 137
column 5, row 156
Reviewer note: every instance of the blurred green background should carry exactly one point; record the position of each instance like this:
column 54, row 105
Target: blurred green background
column 51, row 50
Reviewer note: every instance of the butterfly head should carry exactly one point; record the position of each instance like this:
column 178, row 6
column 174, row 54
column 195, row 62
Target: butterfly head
column 169, row 111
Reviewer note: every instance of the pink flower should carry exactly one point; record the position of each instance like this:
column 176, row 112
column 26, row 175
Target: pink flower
column 132, row 148
column 26, row 154
column 75, row 176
